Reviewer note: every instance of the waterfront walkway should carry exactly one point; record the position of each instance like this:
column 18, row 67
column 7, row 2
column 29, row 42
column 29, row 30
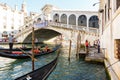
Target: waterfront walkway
column 93, row 55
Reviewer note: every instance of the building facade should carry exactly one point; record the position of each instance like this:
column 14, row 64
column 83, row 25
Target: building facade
column 109, row 15
column 11, row 19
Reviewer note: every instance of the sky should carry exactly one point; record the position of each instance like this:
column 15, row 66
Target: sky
column 36, row 5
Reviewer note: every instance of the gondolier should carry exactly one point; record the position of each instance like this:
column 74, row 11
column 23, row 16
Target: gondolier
column 11, row 40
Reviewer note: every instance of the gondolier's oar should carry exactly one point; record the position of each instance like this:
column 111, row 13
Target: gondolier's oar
column 28, row 54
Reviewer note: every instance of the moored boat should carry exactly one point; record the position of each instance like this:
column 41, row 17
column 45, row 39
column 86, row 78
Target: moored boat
column 40, row 73
column 15, row 49
column 23, row 55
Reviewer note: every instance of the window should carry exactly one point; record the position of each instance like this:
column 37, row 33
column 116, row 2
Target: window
column 4, row 34
column 39, row 19
column 26, row 26
column 117, row 4
column 117, row 49
column 4, row 27
column 19, row 30
column 56, row 14
column 12, row 32
column 105, row 13
column 12, row 27
column 108, row 9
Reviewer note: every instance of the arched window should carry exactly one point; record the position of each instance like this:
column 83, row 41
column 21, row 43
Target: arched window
column 117, row 4
column 26, row 26
column 4, row 34
column 39, row 20
column 82, row 20
column 64, row 18
column 56, row 18
column 93, row 22
column 72, row 19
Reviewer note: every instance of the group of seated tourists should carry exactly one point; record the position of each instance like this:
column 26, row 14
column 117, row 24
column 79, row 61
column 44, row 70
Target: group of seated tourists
column 36, row 50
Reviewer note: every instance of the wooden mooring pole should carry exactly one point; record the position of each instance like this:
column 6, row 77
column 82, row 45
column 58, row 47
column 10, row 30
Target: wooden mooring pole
column 78, row 45
column 33, row 48
column 69, row 50
column 77, row 53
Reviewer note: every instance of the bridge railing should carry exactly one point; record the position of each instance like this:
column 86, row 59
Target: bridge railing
column 30, row 22
column 23, row 31
column 84, row 28
column 95, row 30
column 67, row 26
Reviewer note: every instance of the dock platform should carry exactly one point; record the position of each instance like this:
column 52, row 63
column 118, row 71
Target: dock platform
column 93, row 56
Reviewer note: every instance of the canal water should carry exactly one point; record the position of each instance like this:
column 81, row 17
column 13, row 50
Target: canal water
column 65, row 70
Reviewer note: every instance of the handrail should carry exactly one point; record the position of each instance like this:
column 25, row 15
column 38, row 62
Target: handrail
column 31, row 21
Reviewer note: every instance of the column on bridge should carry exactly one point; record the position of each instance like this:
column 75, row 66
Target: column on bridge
column 59, row 18
column 87, row 23
column 67, row 21
column 77, row 22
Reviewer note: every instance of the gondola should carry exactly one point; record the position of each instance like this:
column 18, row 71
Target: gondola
column 19, row 49
column 40, row 73
column 15, row 49
column 25, row 55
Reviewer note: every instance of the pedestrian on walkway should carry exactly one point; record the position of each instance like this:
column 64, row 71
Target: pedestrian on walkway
column 86, row 46
column 98, row 44
column 11, row 40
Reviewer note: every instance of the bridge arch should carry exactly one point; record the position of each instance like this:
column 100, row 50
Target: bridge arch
column 42, row 34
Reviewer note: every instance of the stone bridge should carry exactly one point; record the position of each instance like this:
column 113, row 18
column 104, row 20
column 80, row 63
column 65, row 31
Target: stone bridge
column 53, row 29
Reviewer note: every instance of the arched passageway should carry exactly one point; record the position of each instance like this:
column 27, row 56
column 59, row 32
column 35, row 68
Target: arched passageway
column 72, row 19
column 82, row 20
column 93, row 22
column 64, row 19
column 56, row 18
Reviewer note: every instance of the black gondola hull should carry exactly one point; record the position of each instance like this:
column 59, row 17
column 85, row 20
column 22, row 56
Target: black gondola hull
column 40, row 73
column 7, row 54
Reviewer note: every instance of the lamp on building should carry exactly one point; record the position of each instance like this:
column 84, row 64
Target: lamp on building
column 101, row 10
column 96, row 3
